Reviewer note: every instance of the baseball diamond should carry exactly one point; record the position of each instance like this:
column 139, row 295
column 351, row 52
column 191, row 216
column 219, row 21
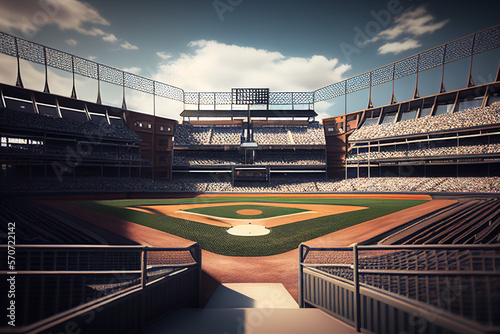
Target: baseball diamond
column 290, row 219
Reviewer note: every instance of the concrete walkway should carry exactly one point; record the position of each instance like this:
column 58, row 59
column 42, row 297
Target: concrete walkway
column 254, row 308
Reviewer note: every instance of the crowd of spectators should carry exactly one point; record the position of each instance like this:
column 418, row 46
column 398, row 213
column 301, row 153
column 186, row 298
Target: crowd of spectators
column 204, row 158
column 273, row 157
column 312, row 135
column 48, row 123
column 427, row 152
column 298, row 157
column 189, row 135
column 276, row 135
column 458, row 120
column 226, row 135
column 279, row 184
column 186, row 134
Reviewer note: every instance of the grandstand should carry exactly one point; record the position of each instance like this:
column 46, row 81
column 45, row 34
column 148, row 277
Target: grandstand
column 48, row 136
column 390, row 140
column 280, row 141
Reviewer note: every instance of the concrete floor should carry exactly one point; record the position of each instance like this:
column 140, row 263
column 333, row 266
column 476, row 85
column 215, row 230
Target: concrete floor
column 249, row 308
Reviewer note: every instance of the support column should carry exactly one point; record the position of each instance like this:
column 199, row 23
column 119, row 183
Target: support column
column 442, row 89
column 46, row 88
column 73, row 91
column 416, row 95
column 19, row 81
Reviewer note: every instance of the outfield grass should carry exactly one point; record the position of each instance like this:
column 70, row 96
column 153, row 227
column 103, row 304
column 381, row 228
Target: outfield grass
column 281, row 239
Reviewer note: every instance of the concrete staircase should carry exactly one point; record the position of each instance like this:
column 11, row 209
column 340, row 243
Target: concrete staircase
column 249, row 308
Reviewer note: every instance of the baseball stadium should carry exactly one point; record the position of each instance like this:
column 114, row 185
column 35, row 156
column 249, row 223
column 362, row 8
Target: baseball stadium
column 250, row 214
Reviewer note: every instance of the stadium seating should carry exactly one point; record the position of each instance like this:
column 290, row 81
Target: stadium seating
column 35, row 121
column 36, row 224
column 189, row 135
column 459, row 120
column 428, row 152
column 294, row 183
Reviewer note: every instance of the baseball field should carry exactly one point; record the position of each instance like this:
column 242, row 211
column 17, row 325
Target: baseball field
column 253, row 225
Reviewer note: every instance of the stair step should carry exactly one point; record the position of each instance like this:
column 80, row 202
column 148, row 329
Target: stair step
column 249, row 308
column 249, row 321
column 251, row 295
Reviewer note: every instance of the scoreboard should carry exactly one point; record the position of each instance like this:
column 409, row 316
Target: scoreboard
column 250, row 96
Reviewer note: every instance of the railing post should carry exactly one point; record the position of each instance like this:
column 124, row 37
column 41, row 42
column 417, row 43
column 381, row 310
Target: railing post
column 144, row 267
column 356, row 304
column 196, row 254
column 144, row 281
column 301, row 278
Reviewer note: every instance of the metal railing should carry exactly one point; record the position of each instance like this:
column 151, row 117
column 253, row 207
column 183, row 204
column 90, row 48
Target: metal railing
column 56, row 283
column 393, row 289
column 465, row 47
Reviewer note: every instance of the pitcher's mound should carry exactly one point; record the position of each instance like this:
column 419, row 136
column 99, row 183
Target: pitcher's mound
column 249, row 212
column 248, row 230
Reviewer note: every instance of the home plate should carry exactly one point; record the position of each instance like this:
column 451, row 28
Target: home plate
column 248, row 230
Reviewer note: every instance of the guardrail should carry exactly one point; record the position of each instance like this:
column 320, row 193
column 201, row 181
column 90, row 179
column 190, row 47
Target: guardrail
column 99, row 288
column 398, row 289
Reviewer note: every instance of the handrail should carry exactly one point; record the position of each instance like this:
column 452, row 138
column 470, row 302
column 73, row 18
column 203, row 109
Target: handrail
column 355, row 270
column 115, row 271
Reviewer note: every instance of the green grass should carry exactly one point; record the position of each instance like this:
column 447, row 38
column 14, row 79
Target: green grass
column 230, row 211
column 281, row 239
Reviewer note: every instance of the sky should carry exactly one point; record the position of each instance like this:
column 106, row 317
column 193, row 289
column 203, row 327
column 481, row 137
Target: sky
column 216, row 45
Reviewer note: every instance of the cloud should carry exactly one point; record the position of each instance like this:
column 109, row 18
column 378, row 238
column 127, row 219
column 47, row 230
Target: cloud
column 324, row 109
column 29, row 17
column 109, row 38
column 163, row 55
column 406, row 28
column 134, row 70
column 211, row 66
column 71, row 42
column 127, row 46
column 398, row 47
column 214, row 66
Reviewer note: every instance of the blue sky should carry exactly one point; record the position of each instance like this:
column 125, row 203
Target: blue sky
column 217, row 45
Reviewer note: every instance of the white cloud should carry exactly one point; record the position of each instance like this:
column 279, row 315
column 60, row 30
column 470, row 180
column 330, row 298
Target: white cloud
column 127, row 46
column 324, row 109
column 398, row 47
column 406, row 28
column 164, row 55
column 134, row 70
column 214, row 66
column 414, row 22
column 29, row 17
column 109, row 38
column 210, row 66
column 71, row 42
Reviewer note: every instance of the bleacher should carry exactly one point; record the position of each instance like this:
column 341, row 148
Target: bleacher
column 39, row 225
column 475, row 221
column 190, row 135
column 445, row 264
column 464, row 119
